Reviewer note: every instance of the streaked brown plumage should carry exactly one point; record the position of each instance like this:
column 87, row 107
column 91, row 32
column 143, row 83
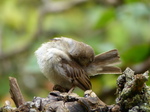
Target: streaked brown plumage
column 69, row 63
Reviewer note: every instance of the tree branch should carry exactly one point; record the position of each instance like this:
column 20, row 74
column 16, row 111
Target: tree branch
column 133, row 95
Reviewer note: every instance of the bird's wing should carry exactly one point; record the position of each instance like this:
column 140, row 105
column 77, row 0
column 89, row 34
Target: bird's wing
column 76, row 74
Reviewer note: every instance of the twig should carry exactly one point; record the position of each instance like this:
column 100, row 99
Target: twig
column 15, row 92
column 59, row 6
column 141, row 67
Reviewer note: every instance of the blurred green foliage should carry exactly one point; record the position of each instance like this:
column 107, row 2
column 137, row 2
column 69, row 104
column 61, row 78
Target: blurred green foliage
column 105, row 25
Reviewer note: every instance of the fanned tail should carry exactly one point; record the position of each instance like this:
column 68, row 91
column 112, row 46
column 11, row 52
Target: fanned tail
column 104, row 64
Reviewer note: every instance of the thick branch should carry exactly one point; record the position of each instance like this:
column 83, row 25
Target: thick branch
column 133, row 95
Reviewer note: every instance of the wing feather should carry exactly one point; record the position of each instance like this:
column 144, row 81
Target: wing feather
column 77, row 74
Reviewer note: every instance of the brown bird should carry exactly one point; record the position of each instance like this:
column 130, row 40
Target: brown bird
column 68, row 63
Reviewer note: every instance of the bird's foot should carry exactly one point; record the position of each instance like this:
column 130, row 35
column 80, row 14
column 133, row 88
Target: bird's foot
column 59, row 88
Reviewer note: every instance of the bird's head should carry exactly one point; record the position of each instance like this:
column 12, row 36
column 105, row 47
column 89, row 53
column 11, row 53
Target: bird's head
column 79, row 51
column 84, row 56
column 86, row 60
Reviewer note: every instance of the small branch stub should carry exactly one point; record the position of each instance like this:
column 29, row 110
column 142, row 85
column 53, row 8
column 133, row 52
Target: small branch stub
column 15, row 92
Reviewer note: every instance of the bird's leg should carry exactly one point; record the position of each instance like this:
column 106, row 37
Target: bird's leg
column 59, row 88
column 71, row 90
column 65, row 92
column 68, row 96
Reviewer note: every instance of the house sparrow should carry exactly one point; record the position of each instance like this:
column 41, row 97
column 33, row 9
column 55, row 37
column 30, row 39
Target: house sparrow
column 68, row 63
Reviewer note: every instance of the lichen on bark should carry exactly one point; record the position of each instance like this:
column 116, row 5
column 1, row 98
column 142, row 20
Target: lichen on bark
column 133, row 93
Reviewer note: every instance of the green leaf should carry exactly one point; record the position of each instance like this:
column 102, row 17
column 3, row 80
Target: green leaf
column 137, row 53
column 131, row 1
column 104, row 18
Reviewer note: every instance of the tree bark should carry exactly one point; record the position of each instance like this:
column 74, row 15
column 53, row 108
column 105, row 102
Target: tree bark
column 133, row 96
column 15, row 92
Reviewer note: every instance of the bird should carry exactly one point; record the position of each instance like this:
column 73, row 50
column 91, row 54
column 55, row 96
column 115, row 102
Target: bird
column 68, row 63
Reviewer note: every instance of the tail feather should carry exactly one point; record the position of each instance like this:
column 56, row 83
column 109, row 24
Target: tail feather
column 108, row 58
column 109, row 70
column 104, row 64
